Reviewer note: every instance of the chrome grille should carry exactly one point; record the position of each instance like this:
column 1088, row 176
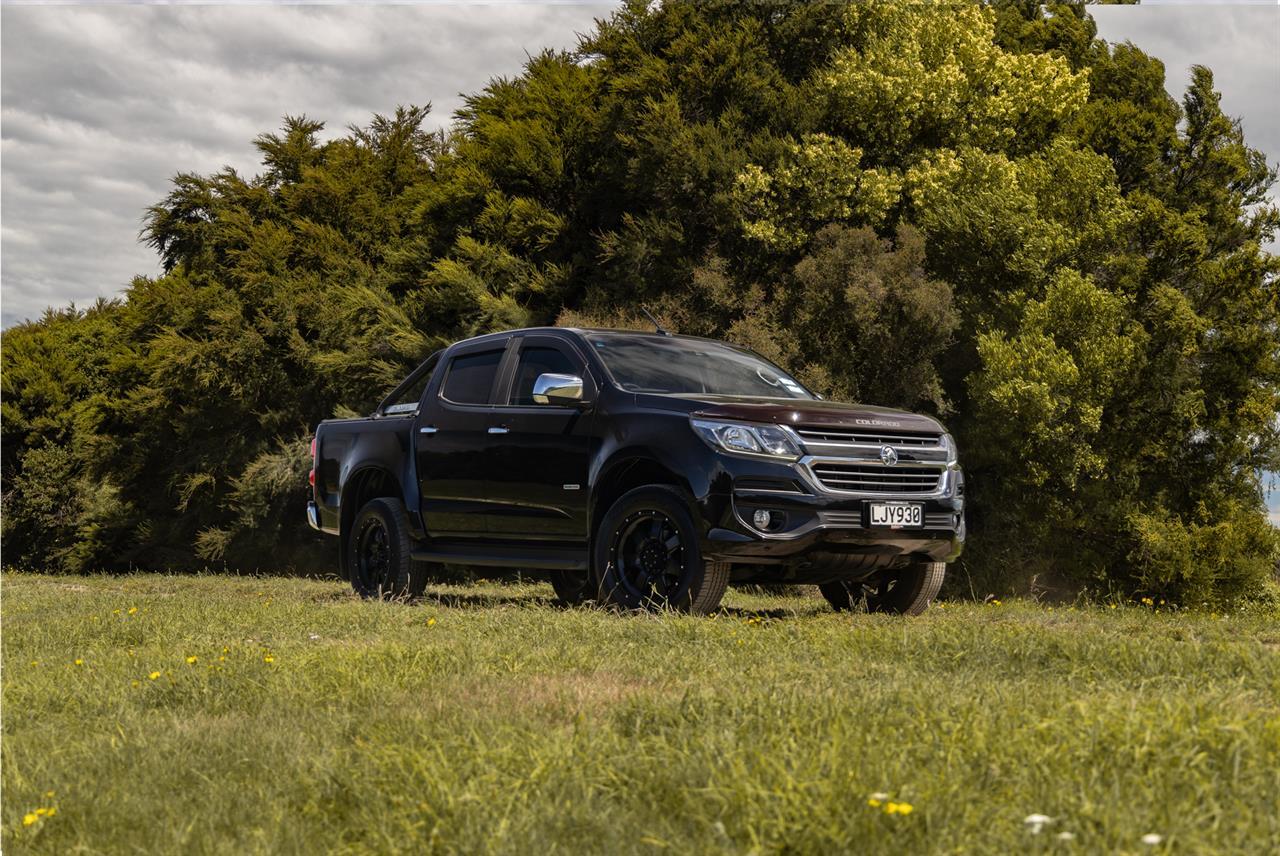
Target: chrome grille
column 873, row 479
column 867, row 438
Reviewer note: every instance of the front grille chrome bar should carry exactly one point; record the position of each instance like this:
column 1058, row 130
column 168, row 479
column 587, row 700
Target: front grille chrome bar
column 864, row 476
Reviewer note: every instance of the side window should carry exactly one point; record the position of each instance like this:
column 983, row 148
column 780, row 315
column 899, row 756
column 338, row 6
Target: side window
column 536, row 360
column 471, row 377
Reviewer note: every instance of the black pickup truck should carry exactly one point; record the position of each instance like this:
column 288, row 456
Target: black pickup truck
column 639, row 470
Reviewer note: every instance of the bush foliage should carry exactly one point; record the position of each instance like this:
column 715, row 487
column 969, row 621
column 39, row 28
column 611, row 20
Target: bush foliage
column 981, row 211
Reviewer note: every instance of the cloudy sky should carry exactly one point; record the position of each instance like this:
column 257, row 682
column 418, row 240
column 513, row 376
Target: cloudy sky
column 103, row 104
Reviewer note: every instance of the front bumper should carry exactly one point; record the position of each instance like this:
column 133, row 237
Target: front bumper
column 817, row 527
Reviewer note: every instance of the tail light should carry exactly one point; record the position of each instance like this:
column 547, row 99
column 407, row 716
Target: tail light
column 313, row 448
column 311, row 477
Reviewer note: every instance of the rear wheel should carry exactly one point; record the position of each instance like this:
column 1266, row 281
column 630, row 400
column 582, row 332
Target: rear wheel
column 646, row 555
column 904, row 591
column 379, row 551
column 572, row 587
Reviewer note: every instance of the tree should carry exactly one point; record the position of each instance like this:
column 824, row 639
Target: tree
column 981, row 211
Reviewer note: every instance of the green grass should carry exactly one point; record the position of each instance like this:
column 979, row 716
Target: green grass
column 485, row 719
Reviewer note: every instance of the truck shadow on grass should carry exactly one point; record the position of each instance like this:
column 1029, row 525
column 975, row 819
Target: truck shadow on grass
column 773, row 614
column 484, row 600
column 489, row 600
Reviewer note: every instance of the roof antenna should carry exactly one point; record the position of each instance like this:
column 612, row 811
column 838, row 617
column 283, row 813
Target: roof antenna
column 656, row 326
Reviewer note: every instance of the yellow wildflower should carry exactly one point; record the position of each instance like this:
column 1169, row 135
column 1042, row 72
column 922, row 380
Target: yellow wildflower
column 431, row 622
column 222, row 659
column 873, row 802
column 29, row 818
column 136, row 683
column 192, row 658
column 133, row 610
column 268, row 659
column 79, row 662
column 153, row 675
column 51, row 812
column 48, row 794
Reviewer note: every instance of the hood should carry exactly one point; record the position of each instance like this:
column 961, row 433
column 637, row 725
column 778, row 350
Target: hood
column 795, row 412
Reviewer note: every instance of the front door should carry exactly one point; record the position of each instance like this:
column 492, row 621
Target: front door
column 538, row 485
column 452, row 445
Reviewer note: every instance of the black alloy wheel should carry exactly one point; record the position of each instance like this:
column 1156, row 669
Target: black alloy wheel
column 378, row 553
column 649, row 554
column 373, row 556
column 646, row 555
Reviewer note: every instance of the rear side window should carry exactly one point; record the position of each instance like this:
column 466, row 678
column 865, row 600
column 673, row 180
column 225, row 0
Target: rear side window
column 536, row 361
column 471, row 377
column 408, row 399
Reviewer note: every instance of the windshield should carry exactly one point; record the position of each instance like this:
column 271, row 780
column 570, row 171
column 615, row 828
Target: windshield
column 672, row 366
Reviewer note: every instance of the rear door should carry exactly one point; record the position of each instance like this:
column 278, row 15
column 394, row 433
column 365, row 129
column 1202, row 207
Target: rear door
column 451, row 444
column 538, row 486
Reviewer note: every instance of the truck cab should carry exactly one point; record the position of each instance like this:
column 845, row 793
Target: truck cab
column 641, row 470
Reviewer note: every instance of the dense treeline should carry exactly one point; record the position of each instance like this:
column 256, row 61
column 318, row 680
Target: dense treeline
column 983, row 212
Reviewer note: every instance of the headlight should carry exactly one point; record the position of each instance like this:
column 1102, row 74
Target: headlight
column 949, row 443
column 765, row 440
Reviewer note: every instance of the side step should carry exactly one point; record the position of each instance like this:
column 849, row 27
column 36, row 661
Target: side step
column 516, row 558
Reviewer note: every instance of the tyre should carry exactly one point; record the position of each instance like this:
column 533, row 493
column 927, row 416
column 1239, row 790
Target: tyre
column 573, row 587
column 378, row 558
column 904, row 591
column 646, row 556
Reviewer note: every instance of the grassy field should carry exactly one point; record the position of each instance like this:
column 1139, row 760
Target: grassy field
column 223, row 714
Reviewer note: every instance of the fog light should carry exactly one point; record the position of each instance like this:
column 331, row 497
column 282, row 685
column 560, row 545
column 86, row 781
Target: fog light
column 762, row 518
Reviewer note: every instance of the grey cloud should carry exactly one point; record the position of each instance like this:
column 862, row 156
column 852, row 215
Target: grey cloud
column 103, row 105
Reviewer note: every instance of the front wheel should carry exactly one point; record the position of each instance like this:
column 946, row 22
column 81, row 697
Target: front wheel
column 904, row 591
column 646, row 555
column 378, row 553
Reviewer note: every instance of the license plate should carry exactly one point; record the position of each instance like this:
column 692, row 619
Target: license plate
column 896, row 515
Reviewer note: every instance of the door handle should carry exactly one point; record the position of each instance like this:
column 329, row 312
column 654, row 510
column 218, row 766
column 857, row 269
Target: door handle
column 499, row 429
column 428, row 429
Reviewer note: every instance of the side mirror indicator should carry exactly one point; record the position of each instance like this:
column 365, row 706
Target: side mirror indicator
column 561, row 389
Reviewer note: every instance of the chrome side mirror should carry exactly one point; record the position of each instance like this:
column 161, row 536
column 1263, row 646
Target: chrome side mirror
column 562, row 389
